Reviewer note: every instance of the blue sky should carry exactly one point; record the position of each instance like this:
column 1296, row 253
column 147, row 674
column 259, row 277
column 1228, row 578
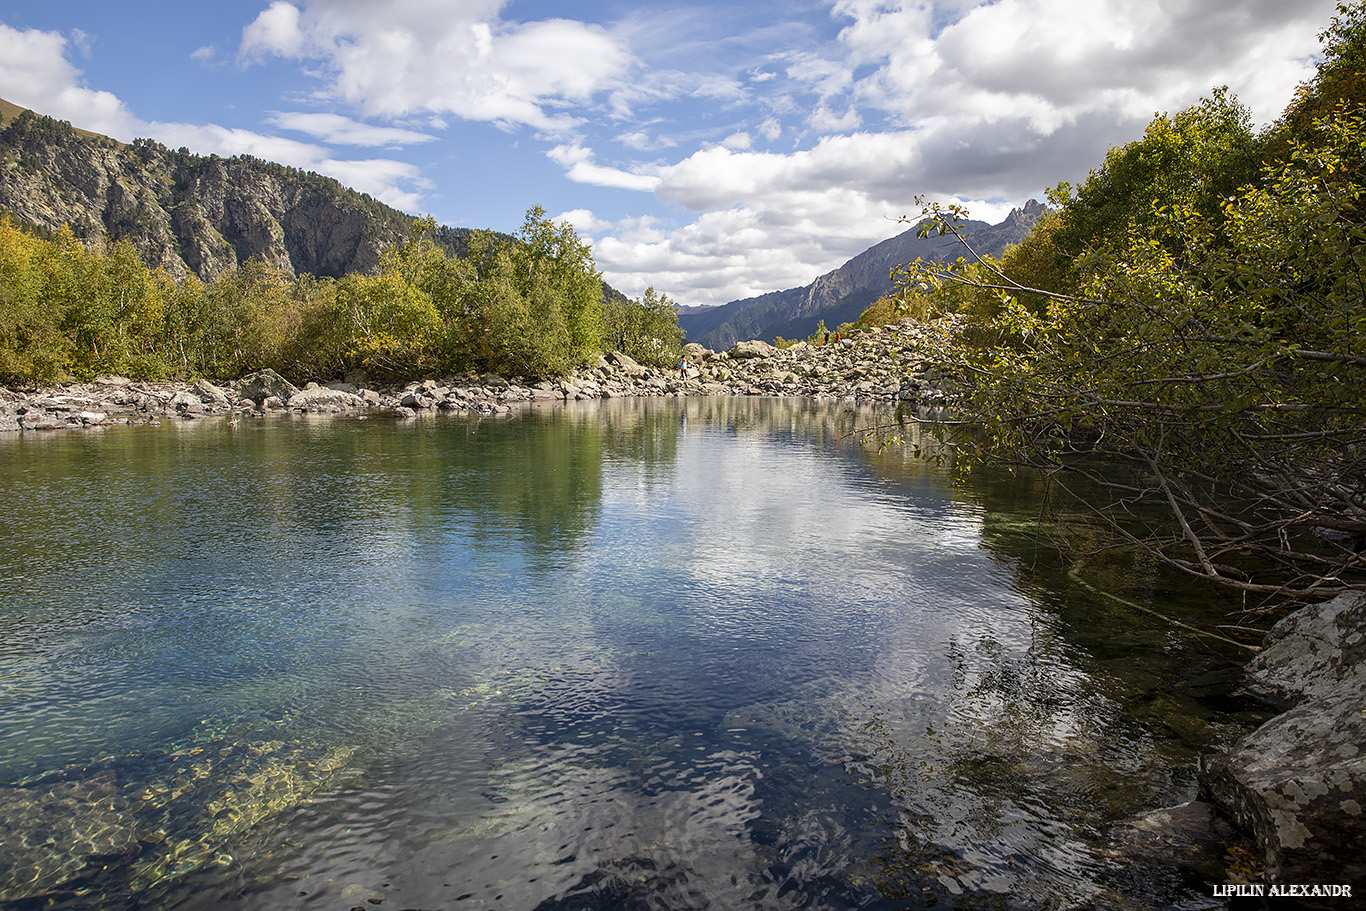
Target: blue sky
column 714, row 150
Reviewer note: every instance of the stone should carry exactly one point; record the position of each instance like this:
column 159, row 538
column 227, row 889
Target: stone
column 263, row 384
column 493, row 381
column 321, row 398
column 39, row 420
column 185, row 403
column 1298, row 783
column 1194, row 833
column 1311, row 652
column 209, row 393
column 752, row 349
column 404, row 413
column 93, row 417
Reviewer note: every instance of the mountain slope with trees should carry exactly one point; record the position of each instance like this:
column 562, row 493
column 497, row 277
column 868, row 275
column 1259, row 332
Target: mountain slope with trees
column 193, row 214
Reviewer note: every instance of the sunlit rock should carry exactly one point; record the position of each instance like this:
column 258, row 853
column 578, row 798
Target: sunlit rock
column 1298, row 783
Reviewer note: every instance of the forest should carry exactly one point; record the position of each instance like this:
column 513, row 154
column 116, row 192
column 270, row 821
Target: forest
column 532, row 305
column 1195, row 311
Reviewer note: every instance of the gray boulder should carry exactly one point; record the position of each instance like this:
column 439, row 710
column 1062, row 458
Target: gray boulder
column 752, row 349
column 185, row 403
column 627, row 364
column 321, row 398
column 1311, row 652
column 264, row 384
column 1298, row 783
column 493, row 381
column 209, row 394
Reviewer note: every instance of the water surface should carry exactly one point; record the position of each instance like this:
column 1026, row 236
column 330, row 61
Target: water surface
column 632, row 654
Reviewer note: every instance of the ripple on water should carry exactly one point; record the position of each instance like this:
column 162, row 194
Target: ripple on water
column 629, row 662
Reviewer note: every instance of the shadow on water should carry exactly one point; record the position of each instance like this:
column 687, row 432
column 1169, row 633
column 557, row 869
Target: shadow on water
column 634, row 654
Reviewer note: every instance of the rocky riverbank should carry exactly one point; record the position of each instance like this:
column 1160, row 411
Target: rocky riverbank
column 890, row 364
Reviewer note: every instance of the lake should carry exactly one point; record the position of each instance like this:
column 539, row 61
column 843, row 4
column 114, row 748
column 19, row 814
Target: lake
column 703, row 653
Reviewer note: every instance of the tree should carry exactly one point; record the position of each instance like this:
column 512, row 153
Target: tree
column 1191, row 162
column 1219, row 356
column 646, row 329
column 32, row 345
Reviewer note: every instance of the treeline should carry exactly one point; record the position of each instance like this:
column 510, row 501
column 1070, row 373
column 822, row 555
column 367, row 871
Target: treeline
column 1195, row 309
column 532, row 305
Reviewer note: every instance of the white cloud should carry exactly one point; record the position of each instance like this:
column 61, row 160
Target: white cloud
column 35, row 74
column 335, row 128
column 275, row 31
column 580, row 168
column 417, row 56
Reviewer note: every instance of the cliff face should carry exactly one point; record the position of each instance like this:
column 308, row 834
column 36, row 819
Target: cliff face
column 841, row 295
column 192, row 214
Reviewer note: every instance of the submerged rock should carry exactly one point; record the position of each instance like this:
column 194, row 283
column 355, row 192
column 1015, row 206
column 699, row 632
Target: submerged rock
column 88, row 818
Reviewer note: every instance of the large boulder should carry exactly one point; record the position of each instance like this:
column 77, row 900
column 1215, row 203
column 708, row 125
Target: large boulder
column 185, row 403
column 751, row 349
column 209, row 394
column 1298, row 783
column 626, row 364
column 323, row 398
column 696, row 352
column 264, row 384
column 1311, row 652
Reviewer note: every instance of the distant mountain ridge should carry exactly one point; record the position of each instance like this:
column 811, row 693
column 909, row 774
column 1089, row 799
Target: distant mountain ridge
column 841, row 295
column 190, row 213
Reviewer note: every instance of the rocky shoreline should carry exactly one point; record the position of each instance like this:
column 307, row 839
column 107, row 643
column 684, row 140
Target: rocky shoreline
column 893, row 364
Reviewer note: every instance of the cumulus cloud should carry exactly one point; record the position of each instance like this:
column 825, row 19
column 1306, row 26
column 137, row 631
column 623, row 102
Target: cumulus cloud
column 36, row 74
column 987, row 103
column 409, row 56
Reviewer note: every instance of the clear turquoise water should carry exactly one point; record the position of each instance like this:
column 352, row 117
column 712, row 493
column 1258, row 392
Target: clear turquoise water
column 633, row 654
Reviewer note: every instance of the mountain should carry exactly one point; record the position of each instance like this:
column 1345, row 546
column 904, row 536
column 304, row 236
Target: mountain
column 189, row 213
column 841, row 295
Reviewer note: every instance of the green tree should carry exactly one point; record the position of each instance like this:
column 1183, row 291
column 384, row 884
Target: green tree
column 1230, row 376
column 646, row 329
column 1189, row 163
column 33, row 348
